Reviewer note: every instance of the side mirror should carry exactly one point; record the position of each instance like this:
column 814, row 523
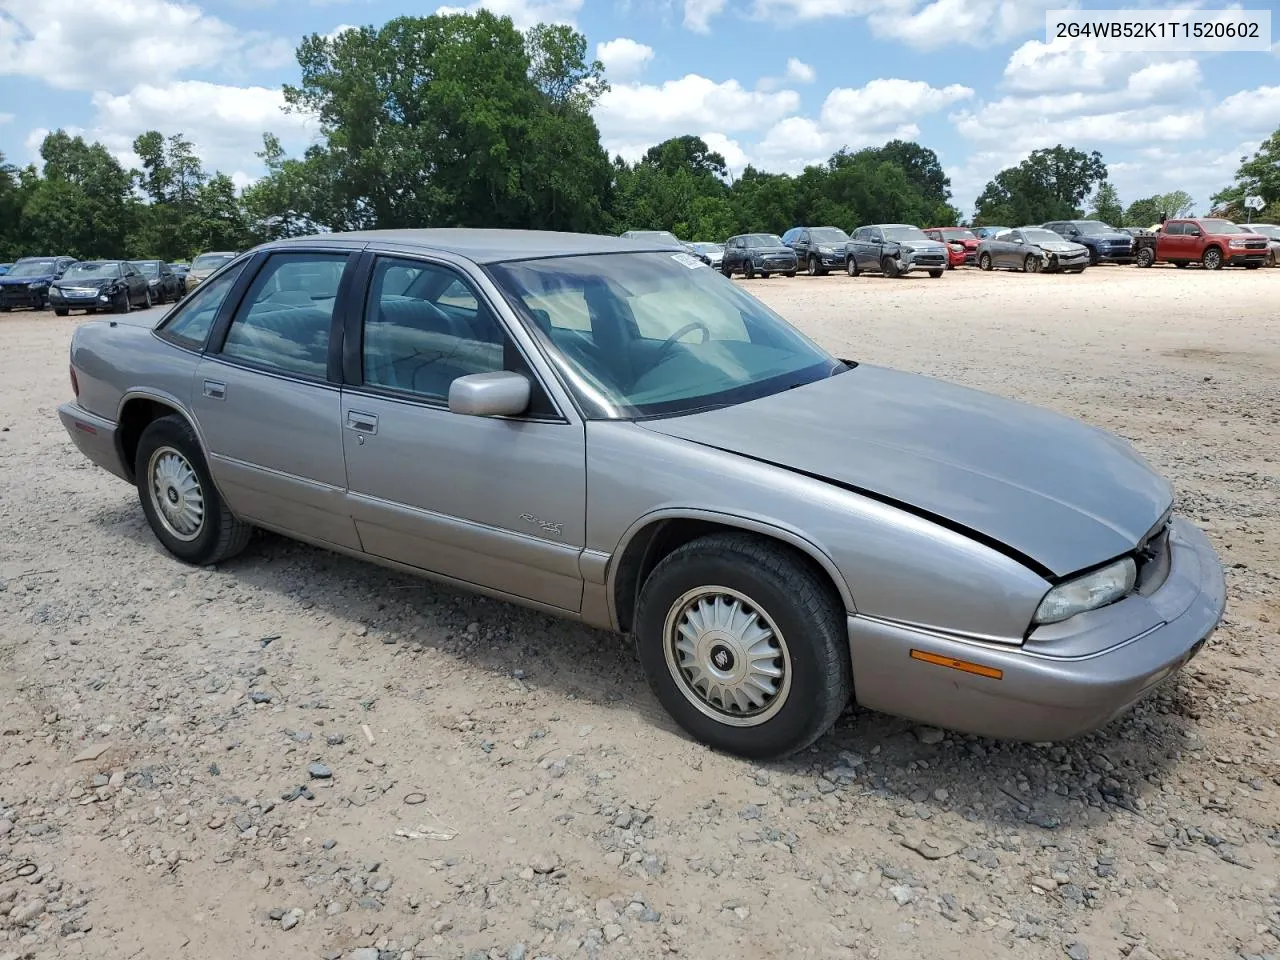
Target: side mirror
column 500, row 393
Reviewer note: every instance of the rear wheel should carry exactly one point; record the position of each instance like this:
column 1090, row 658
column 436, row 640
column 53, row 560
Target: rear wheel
column 179, row 499
column 1212, row 259
column 984, row 262
column 744, row 645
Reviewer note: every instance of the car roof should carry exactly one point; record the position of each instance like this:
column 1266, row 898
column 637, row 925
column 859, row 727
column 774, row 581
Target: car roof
column 482, row 245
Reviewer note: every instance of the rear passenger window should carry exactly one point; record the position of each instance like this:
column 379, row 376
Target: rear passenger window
column 285, row 319
column 424, row 327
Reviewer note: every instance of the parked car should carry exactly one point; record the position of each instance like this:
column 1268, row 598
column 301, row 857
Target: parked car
column 818, row 249
column 180, row 270
column 27, row 282
column 1210, row 241
column 658, row 236
column 4, row 268
column 608, row 434
column 982, row 233
column 894, row 249
column 1105, row 243
column 1272, row 233
column 203, row 266
column 962, row 244
column 165, row 285
column 1135, row 231
column 1032, row 250
column 758, row 253
column 93, row 285
column 712, row 254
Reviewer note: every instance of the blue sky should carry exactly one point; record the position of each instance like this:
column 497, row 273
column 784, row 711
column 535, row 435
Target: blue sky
column 777, row 83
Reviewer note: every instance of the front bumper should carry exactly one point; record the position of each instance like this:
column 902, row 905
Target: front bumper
column 923, row 261
column 1120, row 253
column 1040, row 697
column 95, row 436
column 776, row 264
column 836, row 259
column 1067, row 261
column 1241, row 258
column 21, row 295
column 69, row 301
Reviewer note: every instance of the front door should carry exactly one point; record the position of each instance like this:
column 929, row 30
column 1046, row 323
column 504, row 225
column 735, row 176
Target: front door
column 269, row 406
column 496, row 502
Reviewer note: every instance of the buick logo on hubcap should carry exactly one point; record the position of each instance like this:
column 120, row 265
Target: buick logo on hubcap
column 722, row 658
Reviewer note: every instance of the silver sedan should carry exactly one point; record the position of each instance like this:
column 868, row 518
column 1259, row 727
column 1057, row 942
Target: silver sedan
column 1032, row 250
column 610, row 431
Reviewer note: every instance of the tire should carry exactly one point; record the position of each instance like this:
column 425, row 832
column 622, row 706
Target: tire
column 727, row 271
column 792, row 273
column 812, row 267
column 984, row 262
column 793, row 601
column 1180, row 264
column 1093, row 257
column 1146, row 257
column 149, row 303
column 889, row 266
column 851, row 267
column 764, row 274
column 125, row 304
column 170, row 442
column 1271, row 258
column 935, row 274
column 1212, row 259
column 61, row 311
column 1031, row 264
column 1252, row 266
column 749, row 270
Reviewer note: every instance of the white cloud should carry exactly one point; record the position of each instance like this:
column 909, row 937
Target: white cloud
column 800, row 72
column 224, row 123
column 698, row 14
column 623, row 58
column 6, row 118
column 94, row 46
column 339, row 30
column 1251, row 109
column 525, row 13
column 630, row 113
column 879, row 111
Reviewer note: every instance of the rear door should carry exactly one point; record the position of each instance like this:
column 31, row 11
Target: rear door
column 498, row 502
column 267, row 399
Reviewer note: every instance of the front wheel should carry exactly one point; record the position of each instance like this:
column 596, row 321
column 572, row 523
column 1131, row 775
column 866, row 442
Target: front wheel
column 789, row 273
column 149, row 304
column 749, row 270
column 726, row 270
column 984, row 262
column 182, row 505
column 889, row 266
column 61, row 311
column 812, row 267
column 851, row 267
column 744, row 645
column 1031, row 264
column 1212, row 259
column 1146, row 257
column 935, row 274
column 124, row 304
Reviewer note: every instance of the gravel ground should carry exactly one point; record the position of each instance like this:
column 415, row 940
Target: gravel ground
column 300, row 755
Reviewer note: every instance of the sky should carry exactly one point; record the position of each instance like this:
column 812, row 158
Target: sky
column 775, row 83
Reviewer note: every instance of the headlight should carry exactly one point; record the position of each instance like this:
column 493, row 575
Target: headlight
column 1234, row 242
column 38, row 285
column 826, row 249
column 1089, row 592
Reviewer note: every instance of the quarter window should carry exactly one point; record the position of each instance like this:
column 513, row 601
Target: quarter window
column 284, row 322
column 194, row 319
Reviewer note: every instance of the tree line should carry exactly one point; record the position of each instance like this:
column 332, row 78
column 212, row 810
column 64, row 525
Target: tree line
column 463, row 120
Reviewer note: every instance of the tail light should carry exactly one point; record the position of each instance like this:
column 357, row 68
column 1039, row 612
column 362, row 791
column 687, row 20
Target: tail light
column 75, row 384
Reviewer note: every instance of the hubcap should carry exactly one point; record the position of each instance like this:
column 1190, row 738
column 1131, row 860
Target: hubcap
column 727, row 656
column 176, row 494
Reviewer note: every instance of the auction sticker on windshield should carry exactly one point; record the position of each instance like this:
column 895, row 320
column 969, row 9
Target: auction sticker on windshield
column 1161, row 30
column 691, row 262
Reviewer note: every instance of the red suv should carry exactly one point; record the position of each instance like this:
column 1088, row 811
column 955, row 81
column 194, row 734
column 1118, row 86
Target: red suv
column 1210, row 241
column 962, row 244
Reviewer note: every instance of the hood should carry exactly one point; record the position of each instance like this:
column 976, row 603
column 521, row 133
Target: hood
column 1109, row 237
column 1061, row 246
column 772, row 250
column 921, row 246
column 1056, row 493
column 98, row 282
column 10, row 281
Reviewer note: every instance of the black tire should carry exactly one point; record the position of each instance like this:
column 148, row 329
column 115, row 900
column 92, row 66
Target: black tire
column 727, row 271
column 889, row 266
column 935, row 274
column 1031, row 263
column 764, row 274
column 1093, row 257
column 1271, row 258
column 792, row 273
column 812, row 267
column 60, row 311
column 148, row 296
column 749, row 270
column 1146, row 257
column 1180, row 264
column 1211, row 259
column 984, row 262
column 124, row 304
column 851, row 266
column 803, row 607
column 1252, row 266
column 219, row 534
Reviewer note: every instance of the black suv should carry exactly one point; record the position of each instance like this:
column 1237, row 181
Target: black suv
column 1106, row 244
column 818, row 249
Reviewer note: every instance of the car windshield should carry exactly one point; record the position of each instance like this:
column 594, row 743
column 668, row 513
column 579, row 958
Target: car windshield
column 211, row 261
column 653, row 235
column 708, row 247
column 904, row 233
column 957, row 233
column 656, row 334
column 1093, row 227
column 32, row 268
column 1039, row 235
column 1221, row 226
column 1267, row 230
column 993, row 231
column 829, row 235
column 92, row 270
column 148, row 268
column 763, row 240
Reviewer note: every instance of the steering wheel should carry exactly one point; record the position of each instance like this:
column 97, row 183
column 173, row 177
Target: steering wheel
column 671, row 341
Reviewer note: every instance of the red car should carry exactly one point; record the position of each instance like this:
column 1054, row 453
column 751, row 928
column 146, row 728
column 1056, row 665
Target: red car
column 962, row 244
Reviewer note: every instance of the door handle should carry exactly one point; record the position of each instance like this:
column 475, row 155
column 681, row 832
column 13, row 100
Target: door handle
column 362, row 422
column 215, row 389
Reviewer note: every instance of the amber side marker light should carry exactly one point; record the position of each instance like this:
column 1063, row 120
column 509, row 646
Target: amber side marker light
column 954, row 664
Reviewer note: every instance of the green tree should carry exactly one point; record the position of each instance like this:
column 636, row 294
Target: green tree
column 1258, row 175
column 12, row 199
column 1107, row 207
column 82, row 206
column 278, row 204
column 1153, row 209
column 1049, row 185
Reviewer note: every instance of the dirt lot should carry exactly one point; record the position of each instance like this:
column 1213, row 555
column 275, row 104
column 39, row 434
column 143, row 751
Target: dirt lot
column 224, row 763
